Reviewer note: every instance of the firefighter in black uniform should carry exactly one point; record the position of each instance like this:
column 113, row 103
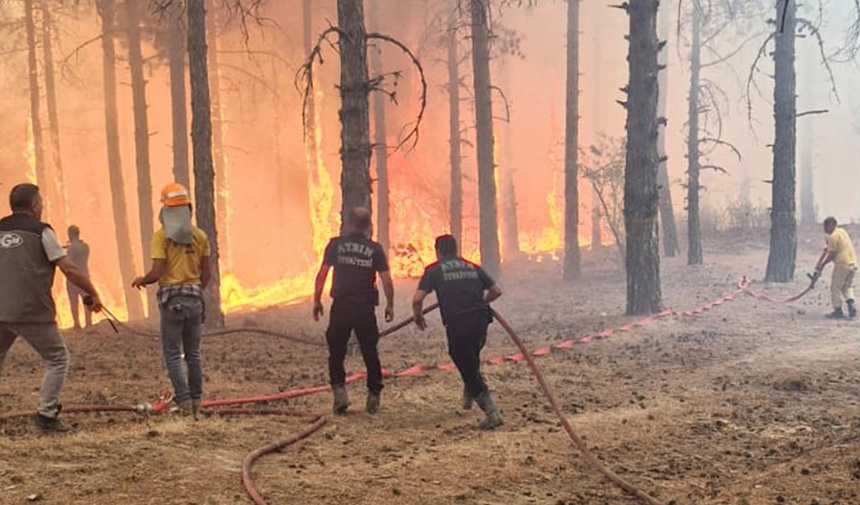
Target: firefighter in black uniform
column 464, row 292
column 356, row 260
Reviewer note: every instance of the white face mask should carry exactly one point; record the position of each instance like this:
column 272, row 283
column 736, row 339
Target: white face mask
column 177, row 224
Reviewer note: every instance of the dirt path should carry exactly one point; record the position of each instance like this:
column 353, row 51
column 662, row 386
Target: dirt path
column 751, row 403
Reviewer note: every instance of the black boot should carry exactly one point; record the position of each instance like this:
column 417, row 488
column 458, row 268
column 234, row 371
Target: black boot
column 494, row 418
column 852, row 310
column 52, row 424
column 836, row 314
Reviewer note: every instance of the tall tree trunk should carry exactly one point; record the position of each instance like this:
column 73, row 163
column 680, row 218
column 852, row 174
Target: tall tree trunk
column 640, row 178
column 572, row 267
column 141, row 139
column 456, row 203
column 597, row 64
column 694, row 229
column 489, row 227
column 58, row 185
column 222, row 189
column 35, row 103
column 383, row 216
column 201, row 138
column 667, row 212
column 510, row 225
column 354, row 114
column 319, row 217
column 178, row 97
column 107, row 12
column 783, row 222
column 807, row 194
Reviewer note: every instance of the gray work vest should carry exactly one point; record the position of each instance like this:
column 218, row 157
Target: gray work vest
column 26, row 275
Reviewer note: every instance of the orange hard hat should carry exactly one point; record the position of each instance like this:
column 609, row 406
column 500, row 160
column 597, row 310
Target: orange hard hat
column 175, row 195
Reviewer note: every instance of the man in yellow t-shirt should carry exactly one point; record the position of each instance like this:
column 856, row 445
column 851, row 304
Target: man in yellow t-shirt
column 840, row 251
column 181, row 266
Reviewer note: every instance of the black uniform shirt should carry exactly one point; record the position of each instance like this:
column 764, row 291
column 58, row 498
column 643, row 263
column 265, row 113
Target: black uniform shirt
column 355, row 260
column 459, row 287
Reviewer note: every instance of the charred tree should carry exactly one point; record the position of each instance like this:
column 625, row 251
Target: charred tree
column 222, row 190
column 35, row 100
column 489, row 228
column 58, row 186
column 201, row 138
column 694, row 230
column 572, row 261
column 597, row 63
column 107, row 12
column 783, row 228
column 178, row 96
column 640, row 177
column 354, row 114
column 380, row 141
column 456, row 203
column 669, row 228
column 141, row 137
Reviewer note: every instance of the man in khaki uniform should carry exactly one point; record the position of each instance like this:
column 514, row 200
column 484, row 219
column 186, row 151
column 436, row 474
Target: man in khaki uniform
column 840, row 251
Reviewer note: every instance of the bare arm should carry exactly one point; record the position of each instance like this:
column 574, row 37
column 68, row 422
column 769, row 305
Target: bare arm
column 76, row 277
column 319, row 285
column 159, row 268
column 388, row 288
column 826, row 258
column 493, row 294
column 418, row 308
column 205, row 271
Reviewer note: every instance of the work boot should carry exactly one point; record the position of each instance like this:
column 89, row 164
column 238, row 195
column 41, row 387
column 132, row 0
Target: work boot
column 195, row 408
column 52, row 424
column 493, row 417
column 341, row 400
column 836, row 314
column 468, row 401
column 852, row 309
column 182, row 408
column 373, row 400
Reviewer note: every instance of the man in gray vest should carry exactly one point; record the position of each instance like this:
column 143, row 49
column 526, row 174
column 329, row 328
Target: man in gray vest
column 29, row 256
column 79, row 254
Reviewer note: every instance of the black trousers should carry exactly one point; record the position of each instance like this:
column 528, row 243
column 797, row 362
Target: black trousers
column 345, row 318
column 467, row 335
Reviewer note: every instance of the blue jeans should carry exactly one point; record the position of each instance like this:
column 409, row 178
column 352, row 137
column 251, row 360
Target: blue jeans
column 181, row 325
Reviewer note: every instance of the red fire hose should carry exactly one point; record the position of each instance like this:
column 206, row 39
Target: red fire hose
column 319, row 420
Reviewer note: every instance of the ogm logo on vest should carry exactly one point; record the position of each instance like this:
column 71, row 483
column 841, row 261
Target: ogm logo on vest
column 10, row 240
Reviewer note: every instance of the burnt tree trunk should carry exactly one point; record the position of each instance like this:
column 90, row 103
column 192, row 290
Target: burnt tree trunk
column 510, row 225
column 669, row 228
column 694, row 229
column 380, row 141
column 354, row 114
column 58, row 185
column 456, row 203
column 35, row 102
column 317, row 217
column 783, row 222
column 141, row 139
column 572, row 261
column 222, row 189
column 178, row 96
column 489, row 228
column 107, row 12
column 640, row 177
column 201, row 138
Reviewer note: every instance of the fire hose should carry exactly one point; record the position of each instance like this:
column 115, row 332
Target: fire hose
column 319, row 420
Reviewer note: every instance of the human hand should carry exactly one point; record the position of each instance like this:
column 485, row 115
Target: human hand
column 318, row 310
column 389, row 313
column 139, row 283
column 420, row 322
column 93, row 302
